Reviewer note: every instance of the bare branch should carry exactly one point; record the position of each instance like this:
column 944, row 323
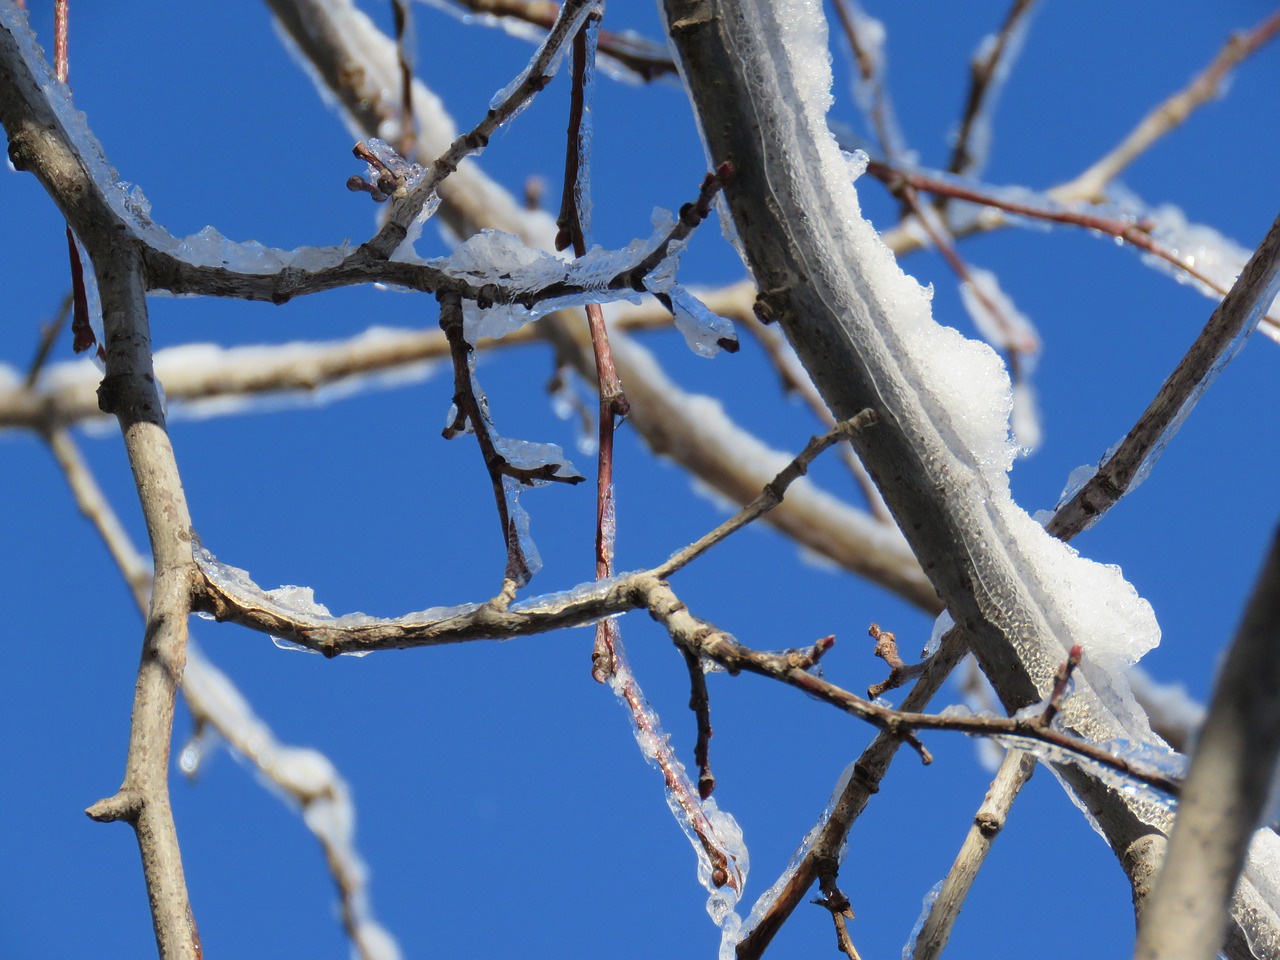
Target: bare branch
column 129, row 392
column 1222, row 337
column 643, row 58
column 988, row 70
column 1172, row 113
column 1015, row 770
column 1225, row 791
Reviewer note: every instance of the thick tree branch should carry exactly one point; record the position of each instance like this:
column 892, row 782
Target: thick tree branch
column 1226, row 788
column 850, row 315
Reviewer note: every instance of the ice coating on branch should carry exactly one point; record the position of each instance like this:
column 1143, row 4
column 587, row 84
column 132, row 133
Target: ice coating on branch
column 926, row 908
column 519, row 517
column 586, row 130
column 941, row 625
column 704, row 331
column 767, row 899
column 300, row 776
column 980, row 126
column 527, row 455
column 718, row 827
column 964, row 391
column 549, row 69
column 298, row 603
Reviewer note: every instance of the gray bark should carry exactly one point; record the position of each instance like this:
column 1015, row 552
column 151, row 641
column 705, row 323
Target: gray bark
column 818, row 278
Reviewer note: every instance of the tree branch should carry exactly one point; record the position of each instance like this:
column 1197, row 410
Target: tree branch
column 862, row 330
column 1229, row 326
column 1226, row 789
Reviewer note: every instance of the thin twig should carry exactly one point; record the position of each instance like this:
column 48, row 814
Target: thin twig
column 708, row 641
column 215, row 703
column 867, row 772
column 986, row 72
column 899, row 672
column 1224, row 334
column 1137, row 234
column 1173, row 112
column 837, row 903
column 770, row 496
column 402, row 18
column 1015, row 770
column 470, row 412
column 1226, row 789
column 48, row 337
column 872, row 94
column 795, row 379
column 643, row 58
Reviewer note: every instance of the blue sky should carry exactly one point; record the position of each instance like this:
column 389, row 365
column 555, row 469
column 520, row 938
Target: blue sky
column 503, row 805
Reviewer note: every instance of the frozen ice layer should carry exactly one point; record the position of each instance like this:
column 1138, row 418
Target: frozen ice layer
column 548, row 67
column 299, row 604
column 527, row 455
column 705, row 331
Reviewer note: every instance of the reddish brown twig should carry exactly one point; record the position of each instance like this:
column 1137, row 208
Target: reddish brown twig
column 724, row 868
column 899, row 672
column 646, row 59
column 83, row 337
column 613, row 402
column 1061, row 686
column 1138, row 234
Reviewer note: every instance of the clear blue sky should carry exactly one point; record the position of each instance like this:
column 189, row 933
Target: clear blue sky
column 503, row 806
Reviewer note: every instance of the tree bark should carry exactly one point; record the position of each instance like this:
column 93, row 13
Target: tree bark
column 822, row 276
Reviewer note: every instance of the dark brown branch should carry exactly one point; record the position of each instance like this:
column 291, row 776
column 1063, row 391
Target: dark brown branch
column 983, row 76
column 1232, row 321
column 700, row 704
column 470, row 411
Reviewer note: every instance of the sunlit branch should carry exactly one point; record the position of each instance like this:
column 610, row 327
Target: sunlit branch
column 215, row 703
column 1172, row 113
column 1015, row 770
